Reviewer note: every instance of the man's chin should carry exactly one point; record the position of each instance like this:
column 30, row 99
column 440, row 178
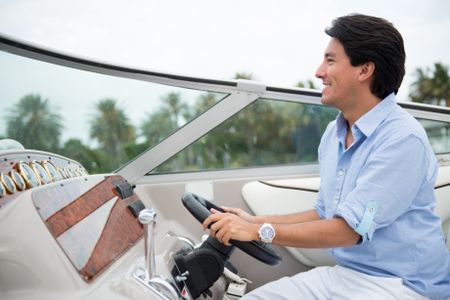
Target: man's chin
column 325, row 100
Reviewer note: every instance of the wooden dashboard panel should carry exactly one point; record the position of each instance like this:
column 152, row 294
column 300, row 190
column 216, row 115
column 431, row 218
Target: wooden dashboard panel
column 90, row 221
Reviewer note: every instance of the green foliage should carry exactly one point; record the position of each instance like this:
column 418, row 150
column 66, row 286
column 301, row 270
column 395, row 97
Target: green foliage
column 112, row 129
column 91, row 159
column 243, row 75
column 159, row 124
column 265, row 133
column 33, row 123
column 432, row 86
column 309, row 84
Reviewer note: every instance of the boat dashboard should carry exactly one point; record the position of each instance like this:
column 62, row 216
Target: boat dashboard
column 67, row 233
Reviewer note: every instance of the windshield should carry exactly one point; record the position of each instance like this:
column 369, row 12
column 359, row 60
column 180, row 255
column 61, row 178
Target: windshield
column 99, row 120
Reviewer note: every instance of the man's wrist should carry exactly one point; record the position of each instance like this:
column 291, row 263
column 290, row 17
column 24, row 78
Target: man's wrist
column 255, row 231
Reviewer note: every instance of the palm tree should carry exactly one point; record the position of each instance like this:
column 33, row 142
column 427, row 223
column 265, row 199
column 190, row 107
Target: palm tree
column 203, row 102
column 112, row 129
column 157, row 126
column 434, row 88
column 175, row 107
column 33, row 123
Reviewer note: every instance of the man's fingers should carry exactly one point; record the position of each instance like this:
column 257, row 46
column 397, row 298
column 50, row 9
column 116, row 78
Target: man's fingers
column 226, row 239
column 231, row 210
column 215, row 227
column 211, row 219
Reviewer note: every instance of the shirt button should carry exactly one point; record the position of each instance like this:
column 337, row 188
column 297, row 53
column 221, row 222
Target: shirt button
column 341, row 172
column 336, row 200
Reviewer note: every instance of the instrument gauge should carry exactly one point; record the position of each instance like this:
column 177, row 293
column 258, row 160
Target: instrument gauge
column 77, row 172
column 2, row 190
column 18, row 180
column 43, row 176
column 68, row 173
column 62, row 173
column 30, row 177
column 51, row 170
column 8, row 183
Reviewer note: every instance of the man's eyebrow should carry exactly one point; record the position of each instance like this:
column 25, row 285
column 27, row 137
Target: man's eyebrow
column 329, row 54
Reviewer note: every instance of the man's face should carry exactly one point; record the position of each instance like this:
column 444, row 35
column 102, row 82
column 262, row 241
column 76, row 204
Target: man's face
column 338, row 76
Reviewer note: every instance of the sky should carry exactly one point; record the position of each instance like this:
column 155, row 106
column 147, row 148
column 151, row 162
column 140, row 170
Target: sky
column 279, row 42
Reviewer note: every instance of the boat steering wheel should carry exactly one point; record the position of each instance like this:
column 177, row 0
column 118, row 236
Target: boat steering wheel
column 200, row 209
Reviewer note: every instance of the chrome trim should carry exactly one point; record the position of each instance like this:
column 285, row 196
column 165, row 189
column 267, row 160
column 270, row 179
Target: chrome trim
column 147, row 219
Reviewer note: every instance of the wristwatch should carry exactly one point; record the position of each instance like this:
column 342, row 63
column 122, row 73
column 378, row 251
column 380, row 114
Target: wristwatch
column 266, row 233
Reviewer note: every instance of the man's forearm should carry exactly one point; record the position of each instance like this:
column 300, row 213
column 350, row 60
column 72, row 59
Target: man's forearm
column 316, row 234
column 305, row 216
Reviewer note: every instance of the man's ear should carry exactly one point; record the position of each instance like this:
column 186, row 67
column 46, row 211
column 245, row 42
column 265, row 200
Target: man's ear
column 366, row 71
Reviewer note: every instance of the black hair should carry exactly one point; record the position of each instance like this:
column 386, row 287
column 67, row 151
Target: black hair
column 371, row 39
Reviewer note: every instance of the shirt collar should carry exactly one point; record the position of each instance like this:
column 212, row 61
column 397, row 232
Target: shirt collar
column 370, row 120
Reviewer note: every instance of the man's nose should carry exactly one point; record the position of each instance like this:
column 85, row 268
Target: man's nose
column 320, row 72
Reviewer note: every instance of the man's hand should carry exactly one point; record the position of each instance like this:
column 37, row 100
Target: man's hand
column 230, row 226
column 241, row 213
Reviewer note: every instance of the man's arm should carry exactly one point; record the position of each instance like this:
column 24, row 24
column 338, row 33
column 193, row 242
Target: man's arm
column 308, row 234
column 304, row 216
column 301, row 217
column 327, row 233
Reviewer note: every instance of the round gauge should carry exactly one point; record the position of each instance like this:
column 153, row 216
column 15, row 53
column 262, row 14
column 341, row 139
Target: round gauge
column 2, row 190
column 44, row 177
column 31, row 178
column 8, row 183
column 51, row 170
column 72, row 173
column 77, row 172
column 18, row 180
column 68, row 173
column 62, row 173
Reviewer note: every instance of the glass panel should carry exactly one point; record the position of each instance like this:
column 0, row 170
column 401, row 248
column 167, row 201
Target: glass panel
column 438, row 134
column 98, row 120
column 268, row 132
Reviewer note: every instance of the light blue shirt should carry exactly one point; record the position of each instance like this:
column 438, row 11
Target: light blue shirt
column 383, row 186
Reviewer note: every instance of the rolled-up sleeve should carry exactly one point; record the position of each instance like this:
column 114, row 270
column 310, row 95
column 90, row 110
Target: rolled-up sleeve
column 386, row 186
column 319, row 206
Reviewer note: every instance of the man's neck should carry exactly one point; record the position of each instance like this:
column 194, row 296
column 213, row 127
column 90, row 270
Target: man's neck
column 359, row 107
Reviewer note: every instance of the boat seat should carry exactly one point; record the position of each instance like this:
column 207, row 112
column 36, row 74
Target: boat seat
column 276, row 197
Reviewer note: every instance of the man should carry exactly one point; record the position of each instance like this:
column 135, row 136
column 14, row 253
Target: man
column 376, row 200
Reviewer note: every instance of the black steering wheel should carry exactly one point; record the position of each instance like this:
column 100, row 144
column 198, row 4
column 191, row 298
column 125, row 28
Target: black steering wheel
column 200, row 209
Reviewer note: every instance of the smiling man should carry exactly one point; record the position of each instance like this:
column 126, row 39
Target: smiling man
column 375, row 206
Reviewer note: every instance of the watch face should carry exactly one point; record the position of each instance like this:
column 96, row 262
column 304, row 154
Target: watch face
column 267, row 232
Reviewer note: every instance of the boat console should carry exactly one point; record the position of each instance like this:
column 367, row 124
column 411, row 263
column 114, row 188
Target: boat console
column 69, row 233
